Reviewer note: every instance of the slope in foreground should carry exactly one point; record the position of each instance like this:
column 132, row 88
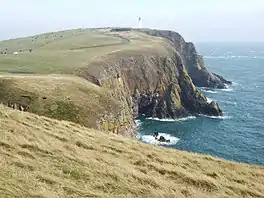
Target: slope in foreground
column 42, row 157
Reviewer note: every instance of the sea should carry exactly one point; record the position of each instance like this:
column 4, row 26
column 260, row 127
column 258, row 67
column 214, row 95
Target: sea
column 239, row 134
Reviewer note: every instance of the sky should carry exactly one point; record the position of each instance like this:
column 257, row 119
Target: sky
column 195, row 20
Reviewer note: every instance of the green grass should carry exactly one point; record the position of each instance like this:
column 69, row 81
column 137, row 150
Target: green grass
column 70, row 50
column 90, row 54
column 60, row 97
column 42, row 157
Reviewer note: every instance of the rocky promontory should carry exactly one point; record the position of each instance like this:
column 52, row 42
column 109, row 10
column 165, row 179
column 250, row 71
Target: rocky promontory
column 123, row 73
column 154, row 81
column 193, row 62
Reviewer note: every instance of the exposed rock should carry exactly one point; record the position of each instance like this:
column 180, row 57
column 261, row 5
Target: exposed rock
column 155, row 85
column 162, row 139
column 223, row 80
column 193, row 62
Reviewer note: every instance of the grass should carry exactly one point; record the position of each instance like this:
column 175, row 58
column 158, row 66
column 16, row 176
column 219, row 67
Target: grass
column 91, row 54
column 68, row 51
column 60, row 97
column 42, row 157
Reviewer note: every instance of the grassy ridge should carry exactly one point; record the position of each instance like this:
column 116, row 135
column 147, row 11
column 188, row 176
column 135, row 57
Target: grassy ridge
column 53, row 52
column 60, row 97
column 67, row 51
column 41, row 157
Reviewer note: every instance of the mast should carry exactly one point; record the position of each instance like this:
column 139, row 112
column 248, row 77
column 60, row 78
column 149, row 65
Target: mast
column 139, row 22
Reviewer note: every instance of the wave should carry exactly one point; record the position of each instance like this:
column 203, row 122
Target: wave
column 233, row 84
column 151, row 140
column 233, row 57
column 215, row 91
column 210, row 91
column 227, row 89
column 216, row 117
column 138, row 123
column 172, row 120
column 207, row 90
column 228, row 102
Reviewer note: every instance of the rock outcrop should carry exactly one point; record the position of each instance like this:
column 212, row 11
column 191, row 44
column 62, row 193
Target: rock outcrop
column 161, row 87
column 152, row 83
column 193, row 62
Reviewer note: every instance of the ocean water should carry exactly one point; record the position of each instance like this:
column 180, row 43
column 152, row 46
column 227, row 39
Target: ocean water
column 239, row 134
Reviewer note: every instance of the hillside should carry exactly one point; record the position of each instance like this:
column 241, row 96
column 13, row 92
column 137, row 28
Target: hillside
column 66, row 51
column 42, row 157
column 140, row 74
column 65, row 98
column 90, row 84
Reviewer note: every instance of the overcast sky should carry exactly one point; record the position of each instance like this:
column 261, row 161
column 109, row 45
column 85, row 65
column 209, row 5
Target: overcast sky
column 196, row 20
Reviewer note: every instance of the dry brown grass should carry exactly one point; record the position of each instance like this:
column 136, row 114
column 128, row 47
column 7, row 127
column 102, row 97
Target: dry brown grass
column 42, row 157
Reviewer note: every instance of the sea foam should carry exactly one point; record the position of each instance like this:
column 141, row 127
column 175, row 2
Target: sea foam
column 204, row 89
column 216, row 117
column 138, row 123
column 172, row 120
column 150, row 139
column 227, row 89
column 228, row 57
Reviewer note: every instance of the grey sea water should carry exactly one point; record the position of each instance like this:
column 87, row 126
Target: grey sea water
column 239, row 134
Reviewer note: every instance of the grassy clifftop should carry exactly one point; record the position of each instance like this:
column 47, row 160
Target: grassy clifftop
column 67, row 51
column 42, row 157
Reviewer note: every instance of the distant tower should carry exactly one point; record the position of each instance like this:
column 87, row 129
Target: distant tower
column 139, row 22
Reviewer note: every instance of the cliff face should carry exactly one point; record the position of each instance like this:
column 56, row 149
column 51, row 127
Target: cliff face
column 161, row 87
column 193, row 62
column 152, row 83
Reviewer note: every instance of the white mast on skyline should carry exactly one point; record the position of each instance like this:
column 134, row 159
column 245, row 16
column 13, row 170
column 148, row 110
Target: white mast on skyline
column 139, row 22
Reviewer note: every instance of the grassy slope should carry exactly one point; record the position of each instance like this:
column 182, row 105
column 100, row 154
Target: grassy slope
column 41, row 157
column 70, row 50
column 61, row 97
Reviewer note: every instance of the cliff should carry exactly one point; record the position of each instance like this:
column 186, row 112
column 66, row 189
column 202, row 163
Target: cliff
column 124, row 73
column 193, row 62
column 154, row 77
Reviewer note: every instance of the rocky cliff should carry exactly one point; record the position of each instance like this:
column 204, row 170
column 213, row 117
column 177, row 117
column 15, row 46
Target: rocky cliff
column 154, row 83
column 124, row 73
column 193, row 62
